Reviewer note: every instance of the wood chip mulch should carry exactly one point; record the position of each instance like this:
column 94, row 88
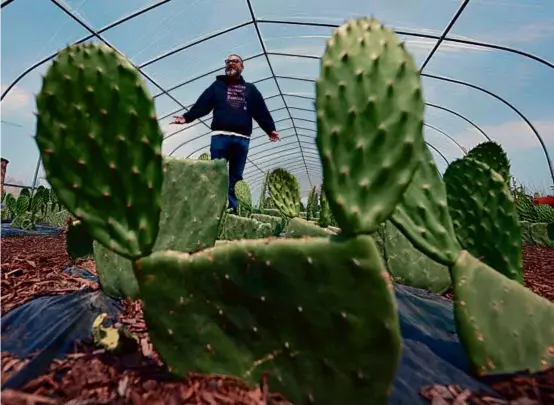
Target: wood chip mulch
column 531, row 389
column 538, row 265
column 33, row 266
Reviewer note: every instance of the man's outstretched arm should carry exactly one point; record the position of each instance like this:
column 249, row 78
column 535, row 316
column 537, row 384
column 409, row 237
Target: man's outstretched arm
column 261, row 113
column 203, row 106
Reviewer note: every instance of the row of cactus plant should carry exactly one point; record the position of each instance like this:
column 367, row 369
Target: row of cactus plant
column 318, row 313
column 30, row 209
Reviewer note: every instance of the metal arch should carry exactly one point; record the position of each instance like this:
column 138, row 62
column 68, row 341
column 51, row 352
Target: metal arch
column 297, row 171
column 464, row 151
column 252, row 148
column 271, row 157
column 457, row 114
column 255, row 184
column 99, row 36
column 425, row 124
column 292, row 158
column 439, row 152
column 184, row 47
column 300, row 166
column 444, row 34
column 315, row 158
column 310, row 149
column 474, row 125
column 293, row 152
column 262, row 44
column 507, row 103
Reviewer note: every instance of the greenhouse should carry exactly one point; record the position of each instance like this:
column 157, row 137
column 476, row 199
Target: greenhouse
column 255, row 202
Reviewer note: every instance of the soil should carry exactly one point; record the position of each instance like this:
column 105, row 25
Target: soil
column 33, row 266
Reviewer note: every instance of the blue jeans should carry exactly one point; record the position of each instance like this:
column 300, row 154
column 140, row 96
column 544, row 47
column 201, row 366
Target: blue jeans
column 234, row 149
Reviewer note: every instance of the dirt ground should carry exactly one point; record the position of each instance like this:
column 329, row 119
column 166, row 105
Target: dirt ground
column 33, row 266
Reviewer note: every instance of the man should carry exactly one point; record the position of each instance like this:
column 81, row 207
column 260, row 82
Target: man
column 235, row 103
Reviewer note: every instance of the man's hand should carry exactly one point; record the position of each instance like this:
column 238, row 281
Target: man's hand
column 274, row 136
column 178, row 119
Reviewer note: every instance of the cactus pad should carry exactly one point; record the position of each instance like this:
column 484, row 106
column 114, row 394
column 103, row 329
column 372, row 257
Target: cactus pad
column 284, row 190
column 484, row 215
column 100, row 144
column 194, row 195
column 252, row 306
column 409, row 266
column 423, row 216
column 370, row 108
column 492, row 154
column 503, row 326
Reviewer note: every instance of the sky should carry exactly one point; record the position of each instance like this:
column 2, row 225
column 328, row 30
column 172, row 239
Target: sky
column 27, row 37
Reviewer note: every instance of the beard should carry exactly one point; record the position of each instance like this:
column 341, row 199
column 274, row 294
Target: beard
column 232, row 71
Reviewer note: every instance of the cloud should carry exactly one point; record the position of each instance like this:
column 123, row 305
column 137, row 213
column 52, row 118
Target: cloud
column 527, row 33
column 514, row 136
column 17, row 100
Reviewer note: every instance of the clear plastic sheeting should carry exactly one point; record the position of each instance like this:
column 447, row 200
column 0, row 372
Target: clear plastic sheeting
column 487, row 66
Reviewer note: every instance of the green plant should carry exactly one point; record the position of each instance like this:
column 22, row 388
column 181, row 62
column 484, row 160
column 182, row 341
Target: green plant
column 483, row 215
column 492, row 154
column 244, row 197
column 284, row 191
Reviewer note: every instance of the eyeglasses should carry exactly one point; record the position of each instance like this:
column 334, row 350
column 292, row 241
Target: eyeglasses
column 233, row 61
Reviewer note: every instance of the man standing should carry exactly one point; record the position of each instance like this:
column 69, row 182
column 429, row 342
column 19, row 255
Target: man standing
column 235, row 103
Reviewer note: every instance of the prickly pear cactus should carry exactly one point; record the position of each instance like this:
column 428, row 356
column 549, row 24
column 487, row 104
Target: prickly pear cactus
column 22, row 205
column 370, row 117
column 93, row 109
column 333, row 354
column 284, row 190
column 423, row 215
column 409, row 266
column 545, row 213
column 492, row 154
column 235, row 227
column 503, row 326
column 244, row 196
column 484, row 215
column 301, row 228
column 194, row 195
column 204, row 156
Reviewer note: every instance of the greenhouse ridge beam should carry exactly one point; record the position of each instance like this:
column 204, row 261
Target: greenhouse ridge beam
column 107, row 43
column 444, row 34
column 262, row 44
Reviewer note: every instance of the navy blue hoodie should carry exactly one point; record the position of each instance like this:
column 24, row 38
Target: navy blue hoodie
column 234, row 105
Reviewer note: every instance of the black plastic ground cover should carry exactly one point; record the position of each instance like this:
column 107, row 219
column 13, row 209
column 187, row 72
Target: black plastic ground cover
column 49, row 326
column 40, row 230
column 431, row 354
